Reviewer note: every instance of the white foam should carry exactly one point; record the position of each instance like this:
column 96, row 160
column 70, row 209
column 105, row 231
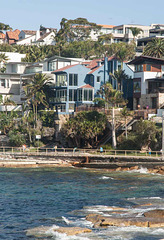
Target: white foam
column 105, row 177
column 66, row 220
column 63, row 236
column 140, row 170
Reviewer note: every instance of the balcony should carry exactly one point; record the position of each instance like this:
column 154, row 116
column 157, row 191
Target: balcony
column 155, row 90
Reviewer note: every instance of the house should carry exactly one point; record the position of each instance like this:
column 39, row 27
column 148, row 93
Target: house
column 45, row 67
column 77, row 85
column 44, row 36
column 148, row 82
column 122, row 33
column 12, row 36
column 10, row 79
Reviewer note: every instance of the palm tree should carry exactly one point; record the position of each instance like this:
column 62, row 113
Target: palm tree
column 3, row 60
column 155, row 48
column 124, row 52
column 119, row 76
column 7, row 102
column 35, row 92
column 113, row 98
column 135, row 31
column 4, row 27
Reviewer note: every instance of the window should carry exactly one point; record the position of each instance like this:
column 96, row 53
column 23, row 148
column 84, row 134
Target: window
column 2, row 83
column 61, row 80
column 91, row 80
column 85, row 95
column 98, row 78
column 148, row 67
column 139, row 68
column 73, row 79
column 52, row 66
column 80, row 94
column 72, row 95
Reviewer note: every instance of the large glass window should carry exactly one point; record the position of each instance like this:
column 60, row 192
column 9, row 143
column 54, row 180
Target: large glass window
column 59, row 96
column 72, row 95
column 85, row 95
column 73, row 79
column 61, row 80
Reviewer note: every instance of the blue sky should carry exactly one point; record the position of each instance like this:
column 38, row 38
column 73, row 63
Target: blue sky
column 30, row 14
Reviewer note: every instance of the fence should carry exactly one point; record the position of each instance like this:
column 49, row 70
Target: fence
column 76, row 151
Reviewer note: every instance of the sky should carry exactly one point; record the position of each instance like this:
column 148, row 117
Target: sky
column 30, row 14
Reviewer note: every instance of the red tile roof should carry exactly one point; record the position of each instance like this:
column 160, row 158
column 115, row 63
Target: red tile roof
column 64, row 68
column 106, row 26
column 13, row 34
column 86, row 86
column 2, row 36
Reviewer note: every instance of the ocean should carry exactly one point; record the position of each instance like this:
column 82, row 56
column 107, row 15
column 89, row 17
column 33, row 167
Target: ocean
column 55, row 197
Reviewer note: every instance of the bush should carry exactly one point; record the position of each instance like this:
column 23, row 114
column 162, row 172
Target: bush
column 16, row 139
column 38, row 143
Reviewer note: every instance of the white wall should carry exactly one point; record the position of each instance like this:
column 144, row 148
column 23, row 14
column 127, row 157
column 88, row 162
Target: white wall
column 14, row 57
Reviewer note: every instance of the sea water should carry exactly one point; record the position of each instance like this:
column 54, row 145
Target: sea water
column 57, row 197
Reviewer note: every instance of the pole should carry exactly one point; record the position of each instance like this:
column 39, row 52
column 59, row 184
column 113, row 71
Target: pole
column 163, row 135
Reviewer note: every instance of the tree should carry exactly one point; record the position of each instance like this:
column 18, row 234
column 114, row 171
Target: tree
column 113, row 98
column 8, row 102
column 35, row 91
column 135, row 31
column 4, row 27
column 3, row 60
column 124, row 52
column 119, row 76
column 105, row 38
column 85, row 127
column 155, row 48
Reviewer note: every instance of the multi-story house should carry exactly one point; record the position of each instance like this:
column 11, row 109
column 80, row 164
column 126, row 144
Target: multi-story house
column 10, row 79
column 45, row 67
column 122, row 33
column 148, row 83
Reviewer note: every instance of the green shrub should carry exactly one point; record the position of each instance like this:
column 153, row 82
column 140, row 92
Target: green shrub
column 16, row 139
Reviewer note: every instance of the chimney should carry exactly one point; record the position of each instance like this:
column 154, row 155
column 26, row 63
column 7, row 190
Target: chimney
column 99, row 63
column 37, row 35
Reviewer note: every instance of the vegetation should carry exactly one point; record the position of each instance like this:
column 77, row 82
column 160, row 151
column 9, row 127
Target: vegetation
column 85, row 128
column 113, row 98
column 145, row 135
column 36, row 92
column 155, row 48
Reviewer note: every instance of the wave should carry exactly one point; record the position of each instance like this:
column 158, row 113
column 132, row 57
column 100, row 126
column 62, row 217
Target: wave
column 63, row 236
column 105, row 177
column 140, row 170
column 66, row 220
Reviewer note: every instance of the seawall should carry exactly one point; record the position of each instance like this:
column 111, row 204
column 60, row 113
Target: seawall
column 78, row 160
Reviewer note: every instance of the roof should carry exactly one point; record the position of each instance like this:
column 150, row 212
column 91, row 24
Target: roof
column 44, row 36
column 106, row 26
column 141, row 59
column 2, row 35
column 64, row 68
column 13, row 34
column 86, row 86
column 94, row 70
column 91, row 64
column 29, row 32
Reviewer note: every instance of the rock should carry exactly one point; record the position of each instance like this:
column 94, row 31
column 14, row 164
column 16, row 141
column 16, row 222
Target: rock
column 134, row 168
column 159, row 213
column 42, row 231
column 118, row 169
column 72, row 230
column 125, row 169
